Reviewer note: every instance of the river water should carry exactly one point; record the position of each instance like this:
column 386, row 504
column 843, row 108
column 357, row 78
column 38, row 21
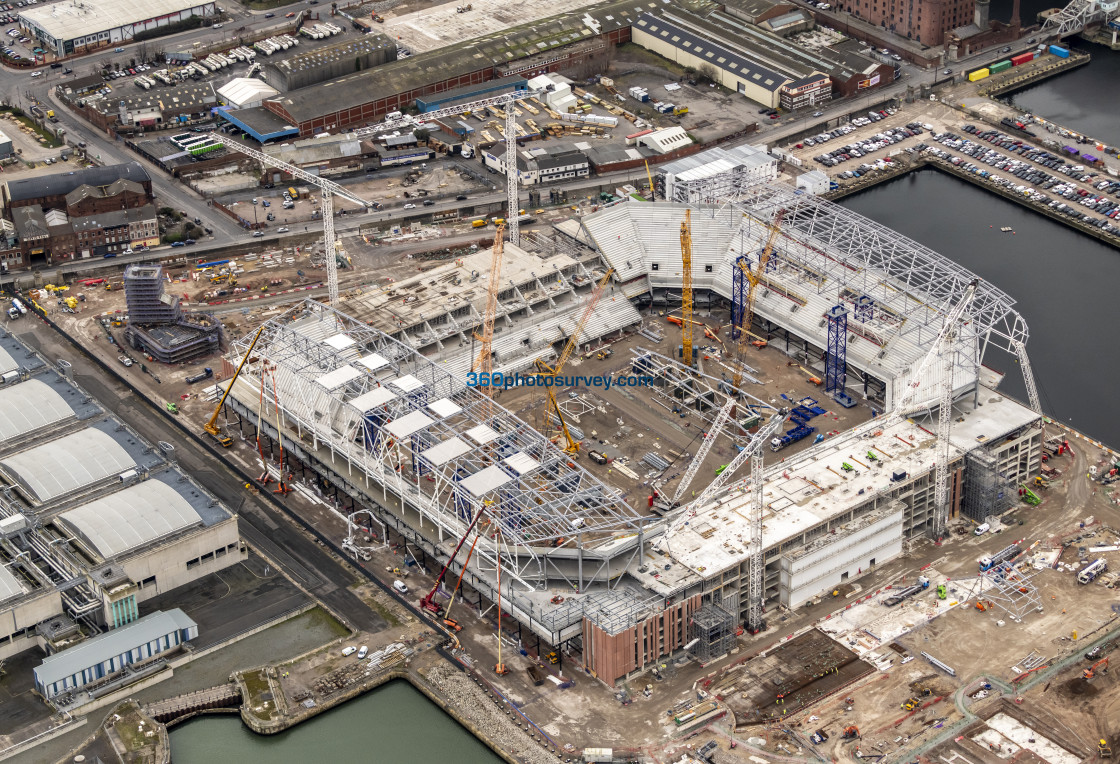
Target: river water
column 1064, row 283
column 394, row 723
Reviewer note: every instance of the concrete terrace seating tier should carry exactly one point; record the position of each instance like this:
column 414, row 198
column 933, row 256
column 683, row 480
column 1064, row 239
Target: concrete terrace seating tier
column 641, row 238
column 545, row 329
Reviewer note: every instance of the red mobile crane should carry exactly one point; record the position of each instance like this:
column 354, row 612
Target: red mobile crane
column 428, row 602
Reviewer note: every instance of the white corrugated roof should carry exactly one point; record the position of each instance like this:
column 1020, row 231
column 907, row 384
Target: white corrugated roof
column 339, row 341
column 244, row 90
column 444, row 408
column 441, row 453
column 79, row 18
column 67, row 464
column 339, row 377
column 131, row 518
column 407, row 383
column 482, row 434
column 373, row 361
column 485, row 480
column 408, row 424
column 7, row 363
column 378, row 396
column 521, row 463
column 28, row 406
column 9, row 585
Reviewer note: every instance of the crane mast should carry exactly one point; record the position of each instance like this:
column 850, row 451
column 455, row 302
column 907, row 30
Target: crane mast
column 328, row 189
column 571, row 446
column 686, row 288
column 753, row 280
column 485, row 360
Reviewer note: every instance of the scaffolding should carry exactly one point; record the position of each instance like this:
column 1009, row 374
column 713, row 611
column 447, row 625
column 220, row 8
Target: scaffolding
column 1012, row 588
column 711, row 632
column 987, row 492
column 157, row 324
column 836, row 369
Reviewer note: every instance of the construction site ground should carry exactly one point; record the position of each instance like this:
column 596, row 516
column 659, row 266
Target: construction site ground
column 626, row 423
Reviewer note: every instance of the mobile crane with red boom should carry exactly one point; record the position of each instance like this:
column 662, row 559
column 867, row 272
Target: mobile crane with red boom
column 429, row 602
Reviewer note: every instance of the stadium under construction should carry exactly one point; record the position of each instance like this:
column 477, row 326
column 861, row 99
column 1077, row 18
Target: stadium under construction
column 375, row 414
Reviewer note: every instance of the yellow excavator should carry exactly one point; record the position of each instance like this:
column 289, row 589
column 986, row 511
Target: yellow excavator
column 211, row 426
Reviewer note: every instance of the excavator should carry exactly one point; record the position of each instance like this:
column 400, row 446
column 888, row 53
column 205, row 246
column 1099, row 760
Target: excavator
column 1103, row 749
column 211, row 427
column 1090, row 672
column 850, row 733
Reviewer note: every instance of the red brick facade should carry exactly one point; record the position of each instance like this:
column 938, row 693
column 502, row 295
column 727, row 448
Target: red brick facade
column 926, row 21
column 611, row 658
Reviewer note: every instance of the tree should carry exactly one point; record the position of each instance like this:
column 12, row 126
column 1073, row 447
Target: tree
column 709, row 72
column 422, row 135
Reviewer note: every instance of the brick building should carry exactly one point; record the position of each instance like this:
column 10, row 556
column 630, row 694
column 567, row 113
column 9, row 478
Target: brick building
column 87, row 213
column 926, row 21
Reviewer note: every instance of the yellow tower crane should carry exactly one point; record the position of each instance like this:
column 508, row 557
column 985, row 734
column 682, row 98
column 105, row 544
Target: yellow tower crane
column 686, row 287
column 485, row 361
column 571, row 445
column 753, row 280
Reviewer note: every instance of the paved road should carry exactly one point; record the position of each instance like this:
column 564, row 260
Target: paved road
column 262, row 525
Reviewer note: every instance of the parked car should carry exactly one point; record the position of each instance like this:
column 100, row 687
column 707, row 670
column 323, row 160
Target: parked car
column 125, row 360
column 258, row 233
column 282, row 229
column 363, row 651
column 178, row 244
column 349, row 650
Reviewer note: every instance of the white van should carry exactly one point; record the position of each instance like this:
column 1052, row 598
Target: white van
column 400, row 587
column 982, row 529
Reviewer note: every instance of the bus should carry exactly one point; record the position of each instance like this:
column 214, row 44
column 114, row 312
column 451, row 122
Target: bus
column 180, row 137
column 197, row 151
column 1091, row 571
column 196, row 141
column 293, row 193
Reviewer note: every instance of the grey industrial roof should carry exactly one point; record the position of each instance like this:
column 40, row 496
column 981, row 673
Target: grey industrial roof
column 717, row 55
column 30, row 222
column 178, row 98
column 68, row 463
column 111, row 643
column 113, row 218
column 15, row 355
column 70, row 20
column 131, row 518
column 63, row 183
column 28, row 406
column 9, row 585
column 418, row 71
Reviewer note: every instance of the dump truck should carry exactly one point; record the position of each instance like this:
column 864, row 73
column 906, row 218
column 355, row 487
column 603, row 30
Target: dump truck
column 204, row 374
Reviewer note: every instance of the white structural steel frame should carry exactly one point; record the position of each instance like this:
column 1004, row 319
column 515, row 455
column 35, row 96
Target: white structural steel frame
column 529, row 486
column 848, row 251
column 1076, row 16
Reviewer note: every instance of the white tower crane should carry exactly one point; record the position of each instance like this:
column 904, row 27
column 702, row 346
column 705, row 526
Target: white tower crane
column 507, row 102
column 328, row 188
column 945, row 347
column 753, row 451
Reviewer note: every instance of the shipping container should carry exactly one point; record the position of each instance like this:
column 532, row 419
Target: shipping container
column 1001, row 66
column 1022, row 59
column 979, row 74
column 1059, row 52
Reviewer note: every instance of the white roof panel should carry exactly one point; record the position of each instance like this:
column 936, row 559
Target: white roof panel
column 521, row 463
column 444, row 408
column 441, row 453
column 378, row 396
column 335, row 379
column 69, row 21
column 408, row 424
column 407, row 383
column 485, row 480
column 482, row 434
column 339, row 341
column 67, row 464
column 28, row 406
column 131, row 518
column 373, row 361
column 7, row 363
column 9, row 585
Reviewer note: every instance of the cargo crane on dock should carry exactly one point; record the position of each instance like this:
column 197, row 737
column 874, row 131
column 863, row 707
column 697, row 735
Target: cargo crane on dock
column 211, row 426
column 328, row 190
column 571, row 445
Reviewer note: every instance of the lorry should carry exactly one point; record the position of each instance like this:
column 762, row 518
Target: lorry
column 204, row 374
column 909, row 591
column 1009, row 552
column 18, row 309
column 1092, row 570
